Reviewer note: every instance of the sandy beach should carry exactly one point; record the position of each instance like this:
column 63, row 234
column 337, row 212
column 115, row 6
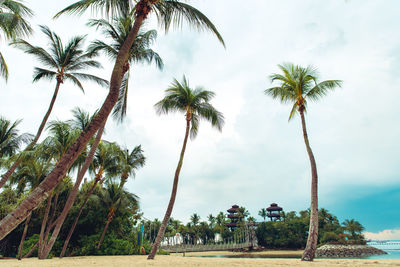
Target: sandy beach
column 191, row 259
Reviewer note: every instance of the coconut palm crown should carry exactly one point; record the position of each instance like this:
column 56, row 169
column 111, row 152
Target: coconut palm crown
column 166, row 11
column 117, row 32
column 297, row 84
column 13, row 24
column 64, row 61
column 194, row 103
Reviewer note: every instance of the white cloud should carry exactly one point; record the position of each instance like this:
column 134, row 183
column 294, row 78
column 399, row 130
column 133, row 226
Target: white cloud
column 388, row 234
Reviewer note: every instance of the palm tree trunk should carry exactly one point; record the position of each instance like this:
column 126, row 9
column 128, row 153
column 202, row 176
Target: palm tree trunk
column 21, row 244
column 309, row 252
column 12, row 220
column 72, row 196
column 7, row 175
column 71, row 231
column 167, row 215
column 44, row 221
column 110, row 217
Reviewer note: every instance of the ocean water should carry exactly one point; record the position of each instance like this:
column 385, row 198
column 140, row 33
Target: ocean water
column 392, row 247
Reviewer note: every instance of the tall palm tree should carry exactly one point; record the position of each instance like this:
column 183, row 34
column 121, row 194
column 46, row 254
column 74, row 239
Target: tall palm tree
column 105, row 162
column 168, row 12
column 263, row 213
column 297, row 85
column 115, row 198
column 81, row 122
column 195, row 105
column 13, row 23
column 65, row 64
column 117, row 32
column 54, row 147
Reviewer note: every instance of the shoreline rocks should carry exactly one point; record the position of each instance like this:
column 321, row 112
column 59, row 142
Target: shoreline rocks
column 347, row 251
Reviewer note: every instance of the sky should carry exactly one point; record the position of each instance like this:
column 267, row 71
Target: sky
column 259, row 157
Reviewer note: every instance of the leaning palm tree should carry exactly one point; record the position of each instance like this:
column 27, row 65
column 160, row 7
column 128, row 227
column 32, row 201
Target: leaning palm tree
column 10, row 139
column 195, row 105
column 130, row 162
column 105, row 161
column 13, row 24
column 168, row 12
column 297, row 85
column 65, row 64
column 115, row 198
column 81, row 121
column 117, row 32
column 30, row 174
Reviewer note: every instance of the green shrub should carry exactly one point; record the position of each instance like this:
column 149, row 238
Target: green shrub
column 110, row 246
column 330, row 237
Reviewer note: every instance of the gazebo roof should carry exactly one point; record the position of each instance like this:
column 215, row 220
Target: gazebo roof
column 274, row 207
column 233, row 209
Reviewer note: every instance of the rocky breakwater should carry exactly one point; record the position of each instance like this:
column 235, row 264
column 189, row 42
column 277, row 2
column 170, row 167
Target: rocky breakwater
column 347, row 251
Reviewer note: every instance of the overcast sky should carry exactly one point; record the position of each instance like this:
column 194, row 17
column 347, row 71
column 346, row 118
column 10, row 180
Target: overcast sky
column 259, row 157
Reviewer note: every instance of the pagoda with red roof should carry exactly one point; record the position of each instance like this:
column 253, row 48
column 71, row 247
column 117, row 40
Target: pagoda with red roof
column 235, row 217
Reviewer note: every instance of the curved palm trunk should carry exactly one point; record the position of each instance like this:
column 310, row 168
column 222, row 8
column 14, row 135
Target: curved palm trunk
column 72, row 195
column 44, row 221
column 109, row 219
column 21, row 244
column 309, row 252
column 7, row 175
column 167, row 215
column 41, row 192
column 71, row 231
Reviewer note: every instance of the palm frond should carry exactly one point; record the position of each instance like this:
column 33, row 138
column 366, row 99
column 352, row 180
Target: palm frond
column 39, row 73
column 42, row 55
column 173, row 11
column 3, row 67
column 322, row 88
column 89, row 77
column 120, row 108
column 104, row 7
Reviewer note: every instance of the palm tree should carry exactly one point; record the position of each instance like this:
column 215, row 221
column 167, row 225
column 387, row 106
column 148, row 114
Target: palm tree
column 195, row 219
column 81, row 121
column 263, row 213
column 54, row 147
column 353, row 227
column 212, row 220
column 30, row 173
column 130, row 162
column 117, row 32
column 195, row 105
column 65, row 64
column 167, row 11
column 10, row 140
column 13, row 23
column 115, row 198
column 297, row 85
column 105, row 161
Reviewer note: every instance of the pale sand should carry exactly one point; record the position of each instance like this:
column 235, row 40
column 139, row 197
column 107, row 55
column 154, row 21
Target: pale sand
column 178, row 261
